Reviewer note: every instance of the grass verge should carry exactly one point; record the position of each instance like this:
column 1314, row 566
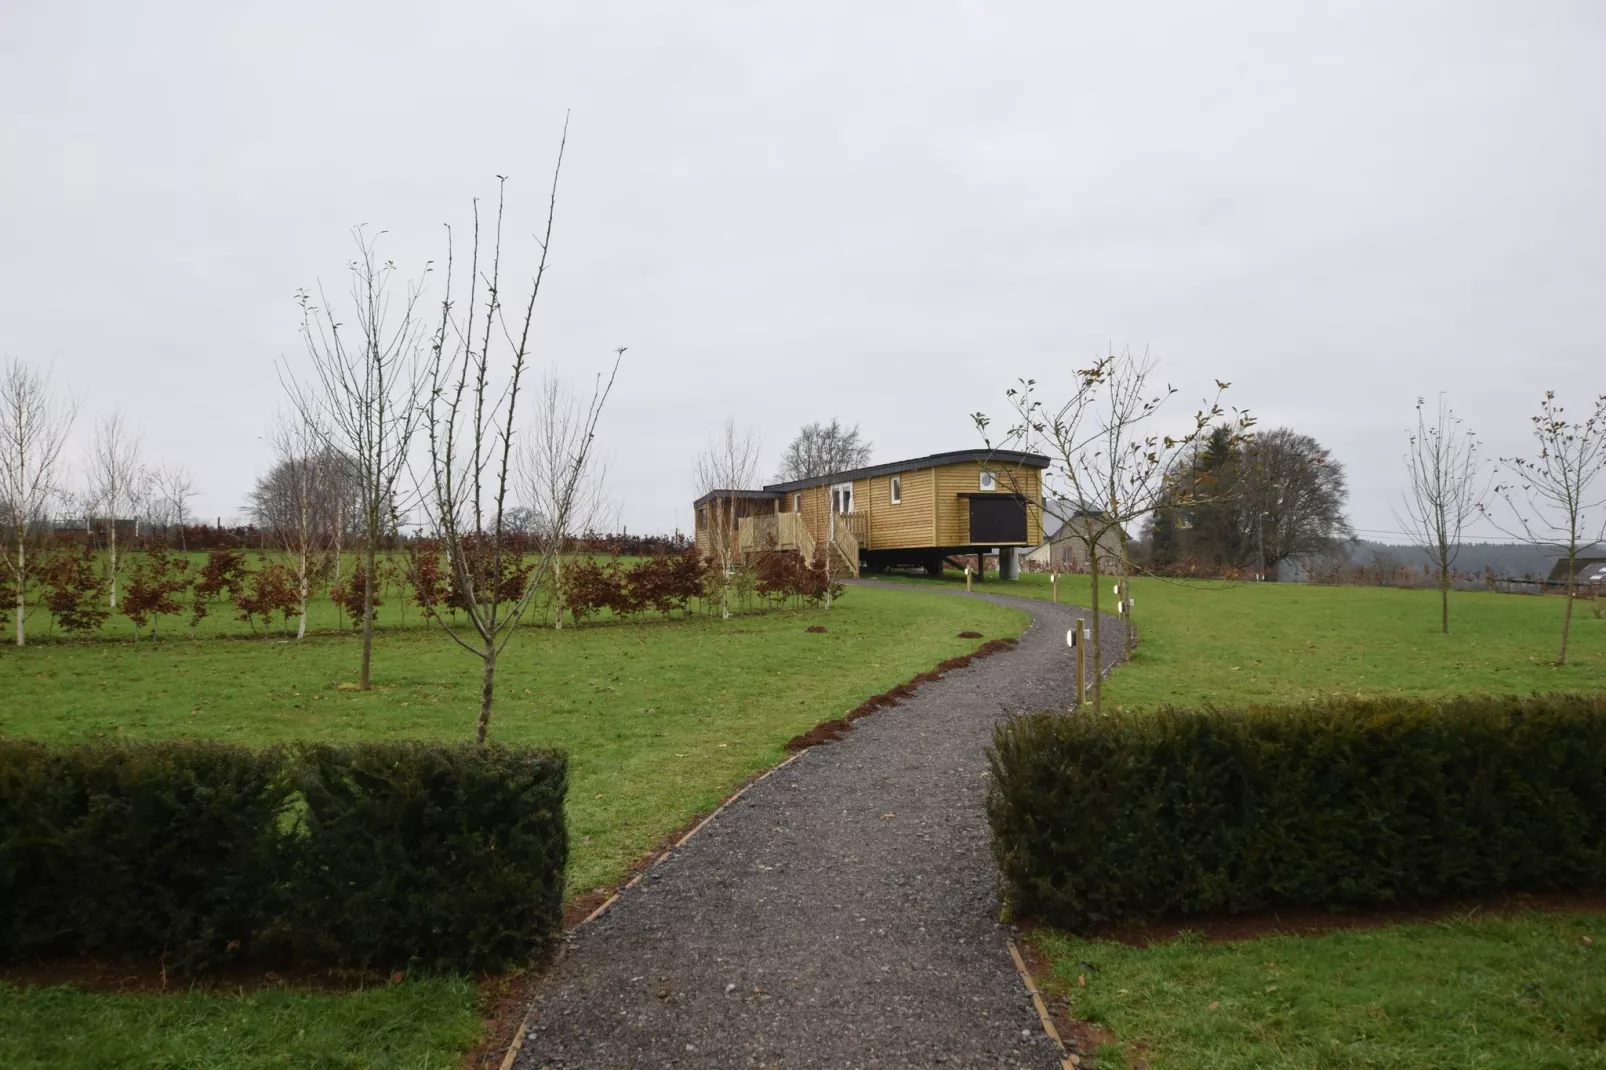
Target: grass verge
column 1521, row 991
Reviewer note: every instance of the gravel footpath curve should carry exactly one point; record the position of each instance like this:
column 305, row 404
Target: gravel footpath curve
column 842, row 913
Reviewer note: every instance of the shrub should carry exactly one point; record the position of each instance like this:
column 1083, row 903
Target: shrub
column 152, row 588
column 590, row 587
column 272, row 588
column 449, row 855
column 664, row 584
column 1343, row 805
column 77, row 594
column 384, row 856
column 784, row 576
column 347, row 596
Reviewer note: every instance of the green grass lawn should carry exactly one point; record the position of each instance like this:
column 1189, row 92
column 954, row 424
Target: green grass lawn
column 411, row 1026
column 1233, row 644
column 660, row 721
column 1519, row 992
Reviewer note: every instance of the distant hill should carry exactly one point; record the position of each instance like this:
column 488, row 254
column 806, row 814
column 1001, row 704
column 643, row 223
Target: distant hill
column 1508, row 561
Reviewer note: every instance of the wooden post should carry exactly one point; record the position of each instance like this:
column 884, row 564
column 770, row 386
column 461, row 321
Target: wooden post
column 1054, row 582
column 1081, row 662
column 967, row 577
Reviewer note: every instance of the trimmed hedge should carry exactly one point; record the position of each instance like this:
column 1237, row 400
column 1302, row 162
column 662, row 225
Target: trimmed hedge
column 1345, row 805
column 378, row 856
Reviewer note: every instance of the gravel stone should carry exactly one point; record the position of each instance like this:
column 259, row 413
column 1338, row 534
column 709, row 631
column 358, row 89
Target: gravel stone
column 842, row 913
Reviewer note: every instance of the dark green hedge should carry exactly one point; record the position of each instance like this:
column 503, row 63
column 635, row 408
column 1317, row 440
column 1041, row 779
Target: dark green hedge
column 1343, row 805
column 380, row 856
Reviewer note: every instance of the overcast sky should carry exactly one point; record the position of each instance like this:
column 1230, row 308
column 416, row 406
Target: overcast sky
column 788, row 212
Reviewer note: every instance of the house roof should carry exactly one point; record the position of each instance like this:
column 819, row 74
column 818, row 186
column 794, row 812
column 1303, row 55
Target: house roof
column 765, row 495
column 1589, row 570
column 1013, row 458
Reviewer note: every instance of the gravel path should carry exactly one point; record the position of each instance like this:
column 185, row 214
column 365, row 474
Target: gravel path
column 842, row 913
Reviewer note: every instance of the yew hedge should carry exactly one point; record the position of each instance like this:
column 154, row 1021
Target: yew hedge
column 1344, row 805
column 376, row 855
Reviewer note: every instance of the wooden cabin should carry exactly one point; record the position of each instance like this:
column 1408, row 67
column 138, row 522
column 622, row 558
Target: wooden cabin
column 906, row 513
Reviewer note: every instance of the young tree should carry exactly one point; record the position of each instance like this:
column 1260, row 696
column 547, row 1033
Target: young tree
column 1553, row 498
column 545, row 467
column 33, row 429
column 1445, row 484
column 1108, row 467
column 727, row 466
column 119, row 484
column 365, row 392
column 293, row 503
column 470, row 419
column 820, row 449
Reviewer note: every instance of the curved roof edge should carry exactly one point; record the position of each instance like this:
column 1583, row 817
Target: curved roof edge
column 1008, row 457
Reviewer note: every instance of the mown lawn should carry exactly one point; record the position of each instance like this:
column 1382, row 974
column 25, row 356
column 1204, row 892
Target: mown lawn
column 413, row 1026
column 660, row 721
column 1232, row 644
column 1520, row 992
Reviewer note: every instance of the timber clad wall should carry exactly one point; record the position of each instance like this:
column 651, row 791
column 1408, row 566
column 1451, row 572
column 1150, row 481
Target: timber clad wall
column 907, row 524
column 953, row 512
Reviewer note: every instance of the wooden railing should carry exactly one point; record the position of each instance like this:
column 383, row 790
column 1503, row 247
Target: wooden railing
column 786, row 531
column 777, row 531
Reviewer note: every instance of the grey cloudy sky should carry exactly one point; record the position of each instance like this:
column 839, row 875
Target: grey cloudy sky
column 881, row 212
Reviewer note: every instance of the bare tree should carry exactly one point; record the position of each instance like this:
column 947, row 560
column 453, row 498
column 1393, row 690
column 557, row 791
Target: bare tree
column 727, row 466
column 33, row 429
column 1108, row 467
column 820, row 449
column 366, row 391
column 1552, row 498
column 545, row 465
column 470, row 421
column 172, row 489
column 293, row 505
column 1445, row 485
column 119, row 484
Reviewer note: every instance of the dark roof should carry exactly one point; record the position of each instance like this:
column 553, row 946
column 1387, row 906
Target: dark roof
column 765, row 495
column 1005, row 457
column 1589, row 570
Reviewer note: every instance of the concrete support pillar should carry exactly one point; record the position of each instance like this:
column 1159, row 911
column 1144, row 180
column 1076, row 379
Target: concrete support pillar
column 1008, row 563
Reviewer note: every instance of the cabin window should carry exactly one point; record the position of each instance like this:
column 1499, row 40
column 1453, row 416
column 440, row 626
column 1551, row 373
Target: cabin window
column 797, row 502
column 897, row 490
column 702, row 517
column 988, row 481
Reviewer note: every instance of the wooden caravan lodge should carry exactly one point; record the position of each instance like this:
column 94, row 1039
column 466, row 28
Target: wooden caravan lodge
column 906, row 513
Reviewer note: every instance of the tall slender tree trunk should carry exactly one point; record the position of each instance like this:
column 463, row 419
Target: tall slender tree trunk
column 1444, row 603
column 112, row 544
column 1567, row 615
column 368, row 618
column 1097, row 688
column 22, row 580
column 557, row 587
column 301, row 629
column 487, row 689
